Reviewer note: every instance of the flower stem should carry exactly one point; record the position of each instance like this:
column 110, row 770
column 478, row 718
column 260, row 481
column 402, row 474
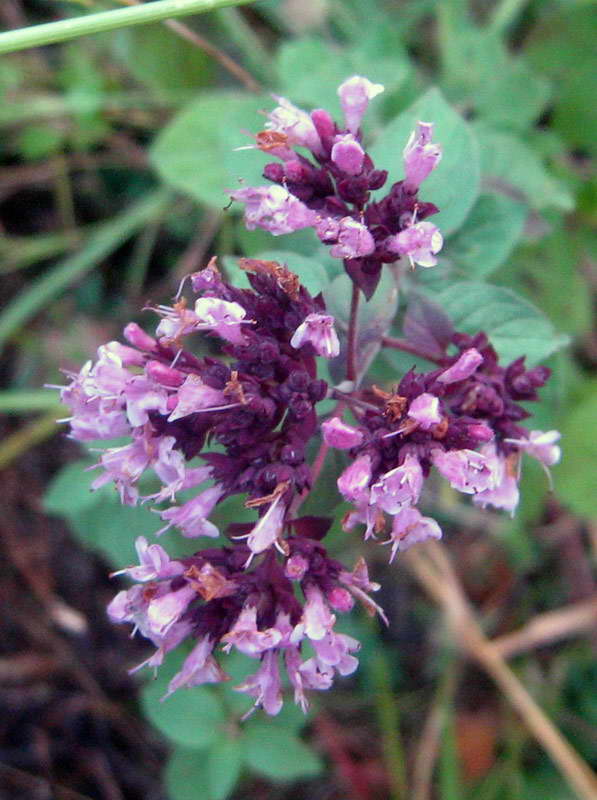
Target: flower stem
column 53, row 32
column 351, row 346
column 408, row 347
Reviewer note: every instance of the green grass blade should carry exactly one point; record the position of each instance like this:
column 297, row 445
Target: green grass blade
column 107, row 238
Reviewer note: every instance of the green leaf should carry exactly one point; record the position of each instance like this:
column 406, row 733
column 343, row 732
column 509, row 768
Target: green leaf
column 562, row 46
column 480, row 72
column 509, row 162
column 278, row 754
column 186, row 775
column 224, row 763
column 191, row 717
column 70, row 492
column 487, row 237
column 101, row 522
column 196, row 152
column 305, row 86
column 549, row 272
column 514, row 98
column 56, row 280
column 514, row 326
column 147, row 49
column 573, row 477
column 454, row 185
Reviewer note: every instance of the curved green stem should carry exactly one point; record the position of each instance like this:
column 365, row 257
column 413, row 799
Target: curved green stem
column 53, row 32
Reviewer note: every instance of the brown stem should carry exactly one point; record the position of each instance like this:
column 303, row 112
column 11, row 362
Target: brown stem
column 351, row 345
column 408, row 347
column 182, row 30
column 434, row 570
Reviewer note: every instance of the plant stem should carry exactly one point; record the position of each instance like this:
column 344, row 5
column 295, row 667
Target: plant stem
column 435, row 572
column 407, row 347
column 202, row 43
column 351, row 345
column 53, row 32
column 504, row 14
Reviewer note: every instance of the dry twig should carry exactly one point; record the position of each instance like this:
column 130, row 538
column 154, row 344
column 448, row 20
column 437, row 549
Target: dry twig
column 433, row 569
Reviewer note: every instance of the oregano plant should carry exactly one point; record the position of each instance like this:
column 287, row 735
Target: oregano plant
column 225, row 397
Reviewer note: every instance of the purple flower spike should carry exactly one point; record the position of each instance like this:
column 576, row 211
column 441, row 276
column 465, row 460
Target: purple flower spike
column 317, row 330
column 411, row 527
column 355, row 94
column 354, row 240
column 421, row 156
column 348, row 155
column 340, row 435
column 419, row 243
column 274, row 209
column 424, row 409
column 466, row 470
column 467, row 365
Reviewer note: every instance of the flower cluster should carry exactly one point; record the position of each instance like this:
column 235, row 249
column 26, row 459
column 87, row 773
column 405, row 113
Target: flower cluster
column 331, row 192
column 462, row 419
column 235, row 418
column 258, row 405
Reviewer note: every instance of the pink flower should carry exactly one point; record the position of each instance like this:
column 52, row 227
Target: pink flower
column 191, row 517
column 541, row 445
column 354, row 240
column 504, row 493
column 245, row 636
column 267, row 530
column 466, row 470
column 421, row 156
column 265, row 685
column 154, row 563
column 419, row 242
column 333, row 650
column 467, row 365
column 166, row 608
column 410, row 527
column 399, row 487
column 317, row 617
column 348, row 155
column 134, row 334
column 317, row 330
column 424, row 409
column 198, row 667
column 274, row 209
column 296, row 567
column 355, row 94
column 124, row 466
column 143, row 395
column 338, row 434
column 194, row 395
column 296, row 124
column 223, row 317
column 353, row 484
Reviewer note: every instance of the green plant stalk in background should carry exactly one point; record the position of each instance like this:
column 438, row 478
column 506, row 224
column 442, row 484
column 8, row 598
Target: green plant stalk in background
column 61, row 31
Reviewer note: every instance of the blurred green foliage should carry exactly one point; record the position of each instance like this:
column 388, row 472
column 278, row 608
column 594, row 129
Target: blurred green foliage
column 140, row 128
